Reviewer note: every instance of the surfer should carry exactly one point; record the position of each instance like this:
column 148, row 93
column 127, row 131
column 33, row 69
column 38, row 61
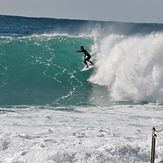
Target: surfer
column 87, row 56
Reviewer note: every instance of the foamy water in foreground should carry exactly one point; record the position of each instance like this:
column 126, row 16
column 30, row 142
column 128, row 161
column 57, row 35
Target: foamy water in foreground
column 82, row 134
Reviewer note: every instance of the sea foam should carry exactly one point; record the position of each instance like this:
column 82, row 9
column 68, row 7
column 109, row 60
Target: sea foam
column 130, row 66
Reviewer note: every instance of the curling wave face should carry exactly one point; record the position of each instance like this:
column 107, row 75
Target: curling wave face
column 39, row 66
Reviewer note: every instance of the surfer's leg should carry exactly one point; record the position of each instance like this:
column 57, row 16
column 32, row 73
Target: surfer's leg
column 85, row 63
column 88, row 59
column 91, row 62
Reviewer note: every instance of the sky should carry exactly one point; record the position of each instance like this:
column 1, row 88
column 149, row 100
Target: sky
column 148, row 11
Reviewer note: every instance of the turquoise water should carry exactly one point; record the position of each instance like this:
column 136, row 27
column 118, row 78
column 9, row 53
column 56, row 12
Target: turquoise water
column 41, row 69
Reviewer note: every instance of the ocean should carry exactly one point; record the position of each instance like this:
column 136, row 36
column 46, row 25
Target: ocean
column 50, row 111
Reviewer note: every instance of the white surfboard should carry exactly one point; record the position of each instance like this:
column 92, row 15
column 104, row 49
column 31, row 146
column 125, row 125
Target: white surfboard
column 86, row 69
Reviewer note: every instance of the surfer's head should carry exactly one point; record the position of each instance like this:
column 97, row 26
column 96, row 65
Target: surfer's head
column 81, row 47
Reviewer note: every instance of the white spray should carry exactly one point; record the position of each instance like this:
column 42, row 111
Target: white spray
column 131, row 67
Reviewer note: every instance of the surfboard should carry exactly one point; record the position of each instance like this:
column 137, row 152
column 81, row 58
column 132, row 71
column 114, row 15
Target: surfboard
column 86, row 69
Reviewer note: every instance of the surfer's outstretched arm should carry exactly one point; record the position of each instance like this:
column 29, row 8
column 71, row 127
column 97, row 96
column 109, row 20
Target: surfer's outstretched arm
column 78, row 51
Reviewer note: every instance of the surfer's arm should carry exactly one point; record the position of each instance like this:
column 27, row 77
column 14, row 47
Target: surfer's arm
column 78, row 51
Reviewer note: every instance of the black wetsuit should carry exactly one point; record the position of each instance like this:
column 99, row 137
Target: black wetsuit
column 86, row 55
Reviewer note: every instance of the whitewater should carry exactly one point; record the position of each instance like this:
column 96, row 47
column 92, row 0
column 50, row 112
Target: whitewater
column 50, row 111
